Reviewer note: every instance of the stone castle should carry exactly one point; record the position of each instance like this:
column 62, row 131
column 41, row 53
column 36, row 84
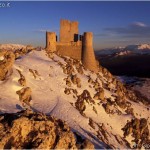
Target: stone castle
column 72, row 44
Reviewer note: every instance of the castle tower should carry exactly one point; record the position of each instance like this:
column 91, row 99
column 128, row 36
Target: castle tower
column 88, row 56
column 51, row 41
column 68, row 31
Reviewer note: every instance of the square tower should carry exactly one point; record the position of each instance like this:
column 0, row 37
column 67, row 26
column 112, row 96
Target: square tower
column 68, row 31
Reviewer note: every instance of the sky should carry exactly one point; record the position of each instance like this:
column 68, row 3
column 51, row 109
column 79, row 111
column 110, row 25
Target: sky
column 113, row 23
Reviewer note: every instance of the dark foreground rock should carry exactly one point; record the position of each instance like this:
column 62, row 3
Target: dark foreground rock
column 27, row 130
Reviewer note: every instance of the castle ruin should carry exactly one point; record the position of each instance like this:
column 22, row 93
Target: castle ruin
column 72, row 44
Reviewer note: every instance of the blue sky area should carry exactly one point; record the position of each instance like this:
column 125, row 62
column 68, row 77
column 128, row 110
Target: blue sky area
column 113, row 23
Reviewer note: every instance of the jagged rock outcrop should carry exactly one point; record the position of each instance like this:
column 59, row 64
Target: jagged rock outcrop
column 20, row 52
column 99, row 94
column 6, row 63
column 28, row 130
column 84, row 98
column 138, row 128
column 76, row 80
column 25, row 95
column 22, row 80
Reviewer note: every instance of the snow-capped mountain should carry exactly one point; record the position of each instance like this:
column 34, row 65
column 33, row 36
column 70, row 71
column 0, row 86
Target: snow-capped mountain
column 123, row 53
column 12, row 47
column 138, row 47
column 96, row 106
column 128, row 50
column 110, row 51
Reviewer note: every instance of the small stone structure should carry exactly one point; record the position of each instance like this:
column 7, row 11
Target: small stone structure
column 72, row 44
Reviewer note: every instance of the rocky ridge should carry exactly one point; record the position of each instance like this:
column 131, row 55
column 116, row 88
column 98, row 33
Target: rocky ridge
column 28, row 130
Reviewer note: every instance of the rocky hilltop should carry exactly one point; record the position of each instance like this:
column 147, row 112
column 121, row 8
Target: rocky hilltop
column 96, row 106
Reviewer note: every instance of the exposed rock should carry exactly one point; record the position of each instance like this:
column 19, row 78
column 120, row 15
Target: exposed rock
column 80, row 70
column 29, row 47
column 78, row 66
column 107, row 107
column 102, row 133
column 76, row 80
column 28, row 130
column 100, row 95
column 67, row 91
column 90, row 81
column 33, row 73
column 83, row 143
column 22, row 80
column 138, row 128
column 94, row 109
column 129, row 110
column 25, row 95
column 68, row 81
column 20, row 52
column 121, row 102
column 68, row 69
column 96, row 85
column 75, row 91
column 91, row 123
column 85, row 97
column 6, row 63
column 86, row 145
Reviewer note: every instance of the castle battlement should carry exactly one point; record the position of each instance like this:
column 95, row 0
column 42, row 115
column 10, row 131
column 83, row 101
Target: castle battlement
column 72, row 44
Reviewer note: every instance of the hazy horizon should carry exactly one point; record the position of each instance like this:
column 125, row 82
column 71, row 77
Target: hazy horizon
column 112, row 23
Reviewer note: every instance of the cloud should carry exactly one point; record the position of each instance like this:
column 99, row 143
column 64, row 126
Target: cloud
column 44, row 30
column 139, row 24
column 133, row 30
column 41, row 30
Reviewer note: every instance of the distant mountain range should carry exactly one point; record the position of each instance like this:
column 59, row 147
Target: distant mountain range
column 128, row 50
column 11, row 46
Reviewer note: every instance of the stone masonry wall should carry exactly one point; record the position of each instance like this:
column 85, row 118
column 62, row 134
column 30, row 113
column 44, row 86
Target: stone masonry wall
column 73, row 51
column 88, row 56
column 68, row 30
column 51, row 41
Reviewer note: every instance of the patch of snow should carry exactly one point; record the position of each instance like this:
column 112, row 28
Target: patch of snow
column 1, row 58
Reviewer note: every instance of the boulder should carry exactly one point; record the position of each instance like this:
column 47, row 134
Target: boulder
column 6, row 63
column 25, row 95
column 29, row 130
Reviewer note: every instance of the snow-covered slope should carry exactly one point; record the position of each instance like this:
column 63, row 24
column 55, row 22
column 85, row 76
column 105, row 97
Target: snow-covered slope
column 97, row 106
column 12, row 47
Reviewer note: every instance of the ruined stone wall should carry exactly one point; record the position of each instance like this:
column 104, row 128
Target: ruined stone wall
column 71, row 45
column 68, row 31
column 73, row 50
